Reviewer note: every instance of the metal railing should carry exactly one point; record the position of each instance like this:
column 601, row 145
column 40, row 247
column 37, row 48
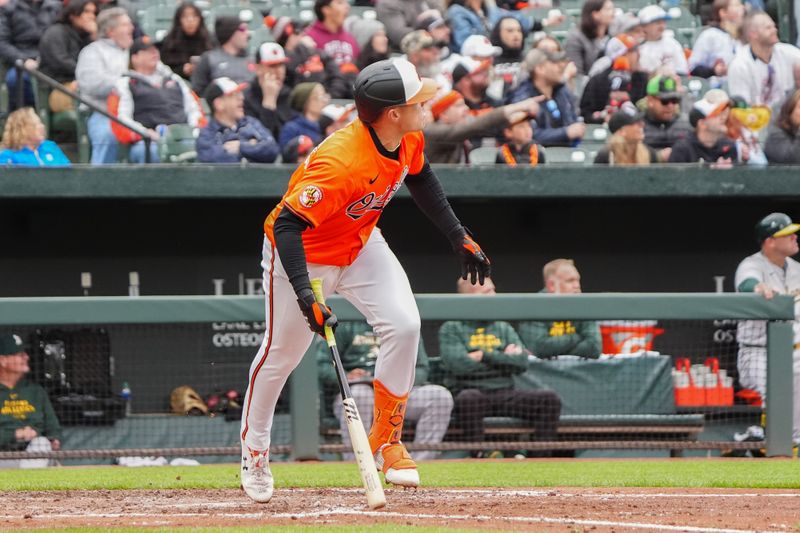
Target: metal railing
column 53, row 84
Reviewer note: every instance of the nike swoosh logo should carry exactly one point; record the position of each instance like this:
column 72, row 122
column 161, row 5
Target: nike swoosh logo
column 373, row 180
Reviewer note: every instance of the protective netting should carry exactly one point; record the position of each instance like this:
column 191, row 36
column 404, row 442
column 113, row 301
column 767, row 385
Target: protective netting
column 536, row 389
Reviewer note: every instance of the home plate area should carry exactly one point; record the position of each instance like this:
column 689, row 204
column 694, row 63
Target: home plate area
column 556, row 509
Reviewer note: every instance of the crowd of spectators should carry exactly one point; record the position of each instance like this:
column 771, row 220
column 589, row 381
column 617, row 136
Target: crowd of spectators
column 483, row 54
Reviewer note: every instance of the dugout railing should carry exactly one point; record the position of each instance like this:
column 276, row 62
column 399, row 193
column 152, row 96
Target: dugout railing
column 304, row 420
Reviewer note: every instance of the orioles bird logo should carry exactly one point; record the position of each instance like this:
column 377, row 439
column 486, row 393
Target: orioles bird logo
column 310, row 196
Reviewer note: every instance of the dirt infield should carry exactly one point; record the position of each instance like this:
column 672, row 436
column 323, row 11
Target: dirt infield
column 562, row 509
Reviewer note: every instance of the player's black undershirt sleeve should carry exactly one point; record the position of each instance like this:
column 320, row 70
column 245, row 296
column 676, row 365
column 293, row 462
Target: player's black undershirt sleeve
column 288, row 231
column 427, row 192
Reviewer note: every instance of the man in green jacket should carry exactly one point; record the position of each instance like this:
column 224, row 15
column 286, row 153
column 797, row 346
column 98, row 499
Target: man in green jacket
column 480, row 359
column 27, row 419
column 561, row 337
column 428, row 405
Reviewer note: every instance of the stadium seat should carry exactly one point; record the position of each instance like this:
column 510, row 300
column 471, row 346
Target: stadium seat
column 596, row 133
column 178, row 145
column 483, row 155
column 157, row 19
column 695, row 86
column 248, row 15
column 565, row 155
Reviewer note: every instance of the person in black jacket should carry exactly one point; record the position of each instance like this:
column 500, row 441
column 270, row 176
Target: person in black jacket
column 663, row 123
column 230, row 135
column 187, row 40
column 61, row 44
column 783, row 141
column 63, row 41
column 22, row 24
column 621, row 81
column 557, row 122
column 709, row 142
column 267, row 97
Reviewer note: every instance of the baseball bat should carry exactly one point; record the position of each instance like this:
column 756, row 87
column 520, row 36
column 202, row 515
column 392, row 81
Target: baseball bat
column 358, row 436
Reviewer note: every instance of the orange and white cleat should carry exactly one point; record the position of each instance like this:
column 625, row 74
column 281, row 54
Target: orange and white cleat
column 255, row 474
column 397, row 465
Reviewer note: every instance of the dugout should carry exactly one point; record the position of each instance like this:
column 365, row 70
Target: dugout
column 657, row 229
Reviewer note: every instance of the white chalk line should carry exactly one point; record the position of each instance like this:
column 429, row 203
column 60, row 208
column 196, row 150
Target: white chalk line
column 386, row 514
column 504, row 493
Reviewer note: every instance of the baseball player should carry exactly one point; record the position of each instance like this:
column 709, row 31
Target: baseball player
column 768, row 272
column 324, row 227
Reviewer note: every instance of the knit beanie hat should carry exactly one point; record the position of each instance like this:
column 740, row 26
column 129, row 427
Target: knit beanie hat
column 363, row 29
column 300, row 94
column 225, row 27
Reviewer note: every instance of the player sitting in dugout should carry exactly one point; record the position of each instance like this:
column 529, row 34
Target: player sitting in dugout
column 428, row 407
column 27, row 419
column 561, row 337
column 480, row 360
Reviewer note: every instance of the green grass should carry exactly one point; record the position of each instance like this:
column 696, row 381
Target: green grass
column 744, row 473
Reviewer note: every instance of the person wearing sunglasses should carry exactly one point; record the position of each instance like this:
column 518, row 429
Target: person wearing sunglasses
column 229, row 59
column 663, row 123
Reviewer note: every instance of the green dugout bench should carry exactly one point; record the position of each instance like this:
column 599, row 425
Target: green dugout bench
column 621, row 399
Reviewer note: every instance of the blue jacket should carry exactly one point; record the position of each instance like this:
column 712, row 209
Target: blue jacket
column 47, row 155
column 554, row 114
column 299, row 125
column 465, row 22
column 256, row 142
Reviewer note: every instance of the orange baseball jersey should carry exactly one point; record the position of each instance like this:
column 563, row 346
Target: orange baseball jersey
column 341, row 190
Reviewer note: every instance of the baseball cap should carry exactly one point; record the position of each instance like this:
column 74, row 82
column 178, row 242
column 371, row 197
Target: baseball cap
column 281, row 27
column 712, row 104
column 415, row 41
column 430, row 21
column 443, row 104
column 388, row 83
column 624, row 23
column 333, row 113
column 271, row 54
column 775, row 225
column 536, row 57
column 467, row 66
column 141, row 43
column 296, row 147
column 222, row 87
column 663, row 87
column 626, row 115
column 652, row 13
column 620, row 45
column 11, row 344
column 479, row 46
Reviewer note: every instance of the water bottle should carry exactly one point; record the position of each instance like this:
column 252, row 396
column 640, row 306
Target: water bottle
column 125, row 394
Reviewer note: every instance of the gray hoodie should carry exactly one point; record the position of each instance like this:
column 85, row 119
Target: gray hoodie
column 99, row 67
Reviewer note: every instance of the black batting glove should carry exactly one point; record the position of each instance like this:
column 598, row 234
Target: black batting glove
column 474, row 263
column 317, row 315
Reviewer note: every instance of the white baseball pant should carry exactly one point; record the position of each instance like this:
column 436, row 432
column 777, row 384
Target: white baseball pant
column 752, row 366
column 375, row 283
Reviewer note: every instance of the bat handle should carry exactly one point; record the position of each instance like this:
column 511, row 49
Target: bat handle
column 316, row 286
